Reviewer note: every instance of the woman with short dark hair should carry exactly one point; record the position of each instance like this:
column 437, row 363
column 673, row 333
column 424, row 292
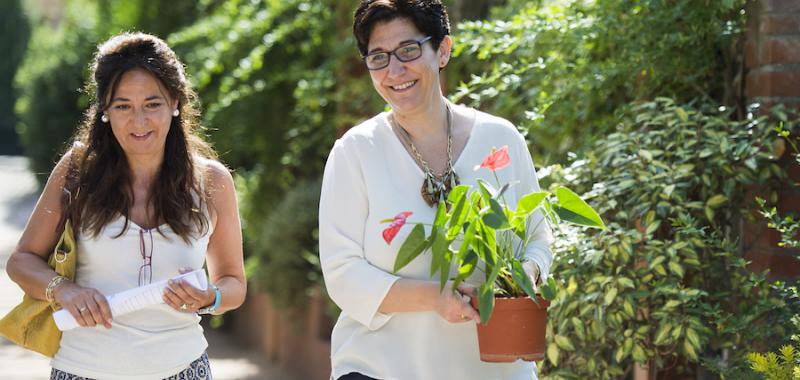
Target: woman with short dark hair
column 400, row 326
column 148, row 200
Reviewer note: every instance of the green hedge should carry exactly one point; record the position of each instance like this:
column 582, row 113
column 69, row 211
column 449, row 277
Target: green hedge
column 564, row 71
column 666, row 283
column 284, row 255
column 14, row 35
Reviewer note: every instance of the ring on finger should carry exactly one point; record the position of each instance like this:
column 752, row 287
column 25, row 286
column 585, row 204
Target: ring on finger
column 82, row 309
column 184, row 307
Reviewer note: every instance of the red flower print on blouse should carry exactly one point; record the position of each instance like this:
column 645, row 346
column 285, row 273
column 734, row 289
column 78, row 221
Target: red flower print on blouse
column 399, row 221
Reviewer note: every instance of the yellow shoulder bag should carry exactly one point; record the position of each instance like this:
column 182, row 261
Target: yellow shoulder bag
column 30, row 324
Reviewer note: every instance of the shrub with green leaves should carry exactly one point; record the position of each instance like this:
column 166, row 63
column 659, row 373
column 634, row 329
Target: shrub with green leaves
column 785, row 366
column 284, row 256
column 14, row 34
column 563, row 70
column 50, row 79
column 665, row 284
column 773, row 367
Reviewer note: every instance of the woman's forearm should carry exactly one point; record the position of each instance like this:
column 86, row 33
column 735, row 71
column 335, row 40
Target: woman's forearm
column 407, row 295
column 30, row 272
column 232, row 293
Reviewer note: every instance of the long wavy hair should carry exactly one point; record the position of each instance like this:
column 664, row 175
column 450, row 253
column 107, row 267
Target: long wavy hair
column 99, row 181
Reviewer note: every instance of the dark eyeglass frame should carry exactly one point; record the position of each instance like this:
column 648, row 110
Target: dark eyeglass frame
column 146, row 270
column 394, row 53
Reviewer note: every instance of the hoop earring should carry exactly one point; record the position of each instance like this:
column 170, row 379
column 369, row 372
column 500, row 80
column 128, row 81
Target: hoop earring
column 176, row 113
column 104, row 118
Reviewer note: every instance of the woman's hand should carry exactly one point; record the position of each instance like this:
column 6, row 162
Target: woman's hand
column 184, row 297
column 87, row 305
column 454, row 307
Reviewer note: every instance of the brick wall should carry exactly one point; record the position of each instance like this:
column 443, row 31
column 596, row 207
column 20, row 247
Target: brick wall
column 772, row 76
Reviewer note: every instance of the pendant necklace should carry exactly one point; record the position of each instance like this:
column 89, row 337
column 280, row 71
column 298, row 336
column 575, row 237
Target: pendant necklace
column 435, row 187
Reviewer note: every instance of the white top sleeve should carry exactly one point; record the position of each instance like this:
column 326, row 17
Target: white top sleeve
column 540, row 237
column 353, row 283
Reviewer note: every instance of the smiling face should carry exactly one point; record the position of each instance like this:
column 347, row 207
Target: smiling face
column 408, row 87
column 140, row 113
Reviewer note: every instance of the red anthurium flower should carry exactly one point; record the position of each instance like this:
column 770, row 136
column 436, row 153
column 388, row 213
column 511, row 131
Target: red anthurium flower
column 496, row 160
column 399, row 221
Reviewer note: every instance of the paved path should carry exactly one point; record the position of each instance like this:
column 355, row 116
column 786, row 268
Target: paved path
column 18, row 194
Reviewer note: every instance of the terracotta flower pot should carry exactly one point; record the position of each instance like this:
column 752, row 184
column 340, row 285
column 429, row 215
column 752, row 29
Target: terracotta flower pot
column 516, row 330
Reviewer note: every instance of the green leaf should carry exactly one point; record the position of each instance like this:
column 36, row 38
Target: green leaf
column 458, row 215
column 528, row 204
column 689, row 349
column 441, row 213
column 486, row 189
column 549, row 289
column 610, row 296
column 692, row 337
column 638, row 354
column 457, row 193
column 573, row 209
column 682, row 114
column 486, row 301
column 467, row 267
column 663, row 333
column 564, row 343
column 716, row 200
column 414, row 244
column 439, row 246
column 496, row 218
column 522, row 279
column 676, row 268
column 552, row 354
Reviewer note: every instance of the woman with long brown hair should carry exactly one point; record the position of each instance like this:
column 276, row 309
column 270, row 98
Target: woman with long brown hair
column 148, row 201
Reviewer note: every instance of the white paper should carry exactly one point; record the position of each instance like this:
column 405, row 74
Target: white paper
column 134, row 299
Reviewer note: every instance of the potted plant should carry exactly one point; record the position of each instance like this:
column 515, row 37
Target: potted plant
column 491, row 238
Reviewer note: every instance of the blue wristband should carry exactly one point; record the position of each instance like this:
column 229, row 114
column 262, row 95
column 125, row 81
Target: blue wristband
column 213, row 308
column 218, row 298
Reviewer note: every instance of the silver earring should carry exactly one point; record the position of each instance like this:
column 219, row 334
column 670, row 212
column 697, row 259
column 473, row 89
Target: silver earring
column 176, row 112
column 104, row 118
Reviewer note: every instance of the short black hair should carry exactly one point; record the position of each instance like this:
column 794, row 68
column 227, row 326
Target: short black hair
column 429, row 16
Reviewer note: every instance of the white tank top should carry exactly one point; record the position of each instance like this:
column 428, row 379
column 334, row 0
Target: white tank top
column 153, row 343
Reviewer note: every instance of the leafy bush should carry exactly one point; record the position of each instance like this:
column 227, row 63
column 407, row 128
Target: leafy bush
column 50, row 78
column 284, row 257
column 788, row 226
column 783, row 367
column 665, row 284
column 562, row 71
column 282, row 76
column 786, row 368
column 14, row 34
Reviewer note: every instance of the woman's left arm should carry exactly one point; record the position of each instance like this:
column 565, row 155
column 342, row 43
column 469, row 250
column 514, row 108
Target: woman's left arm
column 224, row 256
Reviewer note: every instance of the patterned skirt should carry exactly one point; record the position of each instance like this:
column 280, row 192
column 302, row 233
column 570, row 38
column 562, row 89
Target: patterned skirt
column 197, row 370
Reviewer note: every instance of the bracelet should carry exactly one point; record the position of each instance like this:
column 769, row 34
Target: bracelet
column 213, row 308
column 51, row 286
column 217, row 298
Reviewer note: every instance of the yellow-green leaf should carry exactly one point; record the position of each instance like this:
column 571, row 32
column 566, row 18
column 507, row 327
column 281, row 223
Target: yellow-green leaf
column 676, row 268
column 564, row 343
column 690, row 351
column 716, row 200
column 609, row 298
column 552, row 354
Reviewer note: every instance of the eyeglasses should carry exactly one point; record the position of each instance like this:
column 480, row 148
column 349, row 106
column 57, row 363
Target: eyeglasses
column 404, row 53
column 146, row 270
